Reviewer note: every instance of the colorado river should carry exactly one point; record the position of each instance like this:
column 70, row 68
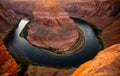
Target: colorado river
column 22, row 48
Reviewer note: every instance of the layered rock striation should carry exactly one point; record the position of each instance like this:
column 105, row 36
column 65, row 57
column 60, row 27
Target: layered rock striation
column 103, row 13
column 51, row 28
column 8, row 65
column 106, row 63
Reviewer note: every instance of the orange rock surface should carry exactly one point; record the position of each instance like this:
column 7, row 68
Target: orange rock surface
column 106, row 63
column 8, row 65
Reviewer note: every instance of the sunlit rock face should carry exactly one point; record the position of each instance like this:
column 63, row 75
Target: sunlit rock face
column 106, row 63
column 8, row 65
column 51, row 27
column 104, row 13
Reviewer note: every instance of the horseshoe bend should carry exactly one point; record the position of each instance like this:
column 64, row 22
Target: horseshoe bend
column 52, row 29
column 43, row 32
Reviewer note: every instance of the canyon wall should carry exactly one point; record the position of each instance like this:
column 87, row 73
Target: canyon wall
column 51, row 28
column 8, row 65
column 106, row 63
column 103, row 13
column 8, row 18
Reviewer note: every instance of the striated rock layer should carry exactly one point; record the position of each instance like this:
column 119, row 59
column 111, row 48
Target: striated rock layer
column 8, row 65
column 51, row 28
column 106, row 63
column 104, row 13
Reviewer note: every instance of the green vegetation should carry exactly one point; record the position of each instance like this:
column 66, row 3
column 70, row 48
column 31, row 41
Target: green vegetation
column 22, row 34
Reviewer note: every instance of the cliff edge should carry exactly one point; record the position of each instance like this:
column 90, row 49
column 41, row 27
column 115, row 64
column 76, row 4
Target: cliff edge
column 106, row 63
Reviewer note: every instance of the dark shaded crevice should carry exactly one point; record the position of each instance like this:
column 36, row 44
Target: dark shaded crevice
column 56, row 73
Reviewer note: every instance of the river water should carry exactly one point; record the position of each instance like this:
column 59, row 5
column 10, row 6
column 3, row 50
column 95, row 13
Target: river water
column 22, row 48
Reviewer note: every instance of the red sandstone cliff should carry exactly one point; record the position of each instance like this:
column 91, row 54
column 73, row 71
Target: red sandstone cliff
column 104, row 13
column 51, row 27
column 8, row 65
column 106, row 63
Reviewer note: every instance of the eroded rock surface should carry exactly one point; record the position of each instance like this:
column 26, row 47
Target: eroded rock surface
column 106, row 63
column 104, row 13
column 51, row 28
column 45, row 71
column 8, row 65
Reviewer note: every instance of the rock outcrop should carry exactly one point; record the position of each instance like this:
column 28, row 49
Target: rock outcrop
column 51, row 28
column 8, row 65
column 106, row 63
column 104, row 13
column 45, row 71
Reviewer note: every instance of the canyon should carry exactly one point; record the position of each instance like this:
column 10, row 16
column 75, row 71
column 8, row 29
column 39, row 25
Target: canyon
column 52, row 29
column 105, row 14
column 106, row 63
column 49, row 28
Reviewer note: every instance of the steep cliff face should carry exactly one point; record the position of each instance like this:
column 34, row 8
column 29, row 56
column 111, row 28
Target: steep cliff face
column 106, row 63
column 8, row 18
column 51, row 27
column 104, row 13
column 8, row 65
